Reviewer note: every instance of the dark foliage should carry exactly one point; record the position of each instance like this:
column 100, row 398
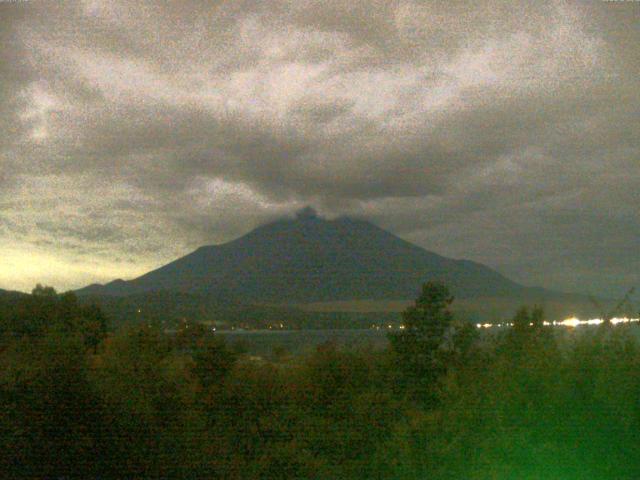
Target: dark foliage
column 417, row 347
column 441, row 403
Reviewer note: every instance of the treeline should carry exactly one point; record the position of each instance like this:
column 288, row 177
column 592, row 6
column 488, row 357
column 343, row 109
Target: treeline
column 441, row 402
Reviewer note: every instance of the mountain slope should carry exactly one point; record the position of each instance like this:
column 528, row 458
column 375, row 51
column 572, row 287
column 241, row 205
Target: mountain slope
column 312, row 259
column 10, row 293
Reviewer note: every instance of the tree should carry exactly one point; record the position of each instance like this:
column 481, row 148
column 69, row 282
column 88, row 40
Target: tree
column 44, row 310
column 417, row 344
column 50, row 415
column 40, row 291
column 528, row 328
column 93, row 326
column 213, row 362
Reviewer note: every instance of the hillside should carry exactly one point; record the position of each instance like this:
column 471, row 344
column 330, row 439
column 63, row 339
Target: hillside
column 11, row 294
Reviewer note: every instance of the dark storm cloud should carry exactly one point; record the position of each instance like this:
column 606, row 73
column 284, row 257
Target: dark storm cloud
column 500, row 132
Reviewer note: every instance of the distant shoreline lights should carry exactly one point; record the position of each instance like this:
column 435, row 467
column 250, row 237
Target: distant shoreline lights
column 571, row 322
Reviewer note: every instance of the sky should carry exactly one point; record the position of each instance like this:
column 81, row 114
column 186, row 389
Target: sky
column 134, row 132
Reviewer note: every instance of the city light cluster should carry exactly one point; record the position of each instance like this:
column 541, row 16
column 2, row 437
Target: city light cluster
column 569, row 322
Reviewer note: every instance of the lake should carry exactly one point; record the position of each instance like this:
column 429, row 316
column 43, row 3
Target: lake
column 263, row 342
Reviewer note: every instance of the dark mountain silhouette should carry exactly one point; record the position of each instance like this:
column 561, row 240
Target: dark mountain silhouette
column 10, row 293
column 310, row 259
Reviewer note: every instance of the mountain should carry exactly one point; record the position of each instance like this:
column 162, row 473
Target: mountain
column 10, row 293
column 8, row 301
column 311, row 259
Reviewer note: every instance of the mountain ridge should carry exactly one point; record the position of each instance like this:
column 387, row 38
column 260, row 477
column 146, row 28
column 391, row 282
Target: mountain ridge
column 310, row 259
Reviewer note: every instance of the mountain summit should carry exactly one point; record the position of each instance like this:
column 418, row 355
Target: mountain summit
column 310, row 259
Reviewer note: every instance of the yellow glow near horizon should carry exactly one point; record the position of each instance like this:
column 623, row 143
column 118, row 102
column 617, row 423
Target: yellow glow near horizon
column 23, row 269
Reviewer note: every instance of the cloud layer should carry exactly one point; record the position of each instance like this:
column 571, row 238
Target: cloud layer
column 135, row 132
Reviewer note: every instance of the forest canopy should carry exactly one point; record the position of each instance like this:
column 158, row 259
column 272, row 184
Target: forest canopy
column 440, row 402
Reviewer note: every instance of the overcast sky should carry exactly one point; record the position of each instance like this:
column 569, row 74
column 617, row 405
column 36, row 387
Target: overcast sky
column 134, row 132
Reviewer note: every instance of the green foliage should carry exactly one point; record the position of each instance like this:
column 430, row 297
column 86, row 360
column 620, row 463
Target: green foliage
column 417, row 346
column 35, row 315
column 50, row 418
column 42, row 291
column 526, row 323
column 525, row 403
column 148, row 394
column 212, row 362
